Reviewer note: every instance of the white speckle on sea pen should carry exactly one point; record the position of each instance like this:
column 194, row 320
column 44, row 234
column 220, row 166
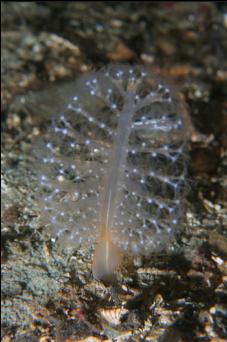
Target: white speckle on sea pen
column 112, row 166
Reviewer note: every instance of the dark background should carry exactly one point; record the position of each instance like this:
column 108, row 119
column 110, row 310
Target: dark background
column 178, row 295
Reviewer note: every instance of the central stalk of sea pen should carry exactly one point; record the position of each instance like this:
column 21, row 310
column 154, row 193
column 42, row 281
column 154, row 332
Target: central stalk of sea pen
column 116, row 166
column 107, row 255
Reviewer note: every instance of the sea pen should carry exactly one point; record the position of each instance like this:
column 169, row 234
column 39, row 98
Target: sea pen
column 112, row 166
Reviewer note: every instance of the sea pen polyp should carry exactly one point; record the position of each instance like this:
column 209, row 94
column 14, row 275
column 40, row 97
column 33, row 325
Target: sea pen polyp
column 112, row 166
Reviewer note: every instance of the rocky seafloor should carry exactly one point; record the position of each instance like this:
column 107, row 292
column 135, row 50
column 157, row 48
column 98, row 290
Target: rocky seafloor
column 49, row 294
